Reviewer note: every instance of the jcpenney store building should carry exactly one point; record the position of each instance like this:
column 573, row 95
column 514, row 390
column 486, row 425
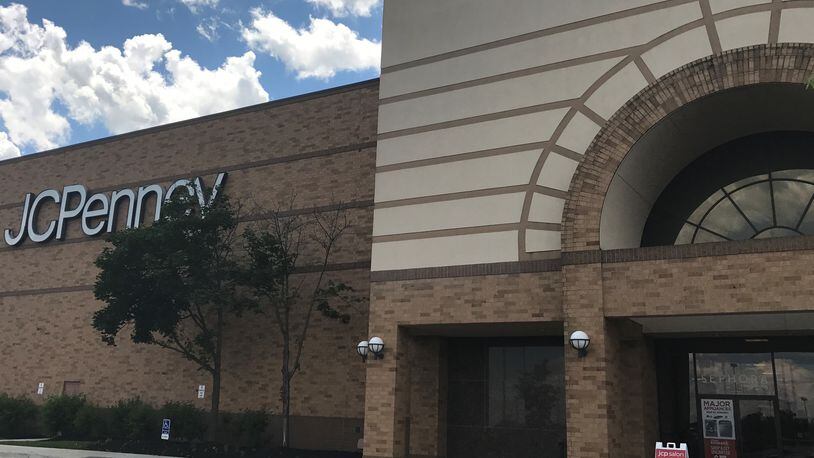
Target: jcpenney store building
column 641, row 171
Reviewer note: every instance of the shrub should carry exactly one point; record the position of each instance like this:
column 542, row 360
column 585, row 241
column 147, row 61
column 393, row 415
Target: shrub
column 59, row 415
column 134, row 419
column 188, row 422
column 19, row 418
column 247, row 428
column 92, row 422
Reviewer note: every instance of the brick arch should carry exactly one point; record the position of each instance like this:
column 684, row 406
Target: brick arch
column 782, row 63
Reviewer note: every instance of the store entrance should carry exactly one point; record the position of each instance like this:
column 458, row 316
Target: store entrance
column 746, row 426
column 744, row 398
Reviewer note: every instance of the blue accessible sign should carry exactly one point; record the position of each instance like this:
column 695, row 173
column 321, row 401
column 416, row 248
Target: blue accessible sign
column 165, row 429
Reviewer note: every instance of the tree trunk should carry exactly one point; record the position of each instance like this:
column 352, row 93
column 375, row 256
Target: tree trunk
column 285, row 393
column 214, row 414
column 216, row 373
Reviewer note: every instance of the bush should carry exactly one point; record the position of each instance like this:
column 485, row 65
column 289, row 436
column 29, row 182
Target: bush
column 188, row 422
column 134, row 419
column 19, row 418
column 59, row 414
column 92, row 422
column 247, row 428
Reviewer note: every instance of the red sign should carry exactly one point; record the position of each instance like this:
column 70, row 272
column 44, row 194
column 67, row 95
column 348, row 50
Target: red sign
column 720, row 448
column 671, row 450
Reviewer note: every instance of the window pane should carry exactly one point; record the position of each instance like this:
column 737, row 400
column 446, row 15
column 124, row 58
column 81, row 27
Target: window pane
column 746, row 181
column 705, row 236
column 726, row 220
column 699, row 212
column 685, row 235
column 756, row 203
column 807, row 226
column 790, row 200
column 795, row 387
column 776, row 232
column 734, row 373
column 798, row 174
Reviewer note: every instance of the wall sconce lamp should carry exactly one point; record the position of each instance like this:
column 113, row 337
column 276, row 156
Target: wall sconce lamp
column 580, row 341
column 375, row 345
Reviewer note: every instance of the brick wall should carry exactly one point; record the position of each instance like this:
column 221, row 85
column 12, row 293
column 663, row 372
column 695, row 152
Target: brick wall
column 320, row 147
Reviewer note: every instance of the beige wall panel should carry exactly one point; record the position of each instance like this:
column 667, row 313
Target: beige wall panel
column 724, row 5
column 557, row 172
column 546, row 209
column 445, row 251
column 525, row 91
column 616, row 91
column 678, row 51
column 579, row 133
column 420, row 28
column 746, row 30
column 584, row 41
column 797, row 25
column 472, row 212
column 623, row 216
column 537, row 240
column 517, row 130
column 469, row 175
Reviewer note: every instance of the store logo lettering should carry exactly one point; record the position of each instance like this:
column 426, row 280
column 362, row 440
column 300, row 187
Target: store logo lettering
column 98, row 212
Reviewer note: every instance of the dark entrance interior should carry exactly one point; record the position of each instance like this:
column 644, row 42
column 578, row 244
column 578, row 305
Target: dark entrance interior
column 749, row 395
column 506, row 397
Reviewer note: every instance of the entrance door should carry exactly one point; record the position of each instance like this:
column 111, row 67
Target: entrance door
column 740, row 426
column 759, row 428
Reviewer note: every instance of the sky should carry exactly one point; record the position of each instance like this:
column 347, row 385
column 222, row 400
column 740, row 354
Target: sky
column 78, row 70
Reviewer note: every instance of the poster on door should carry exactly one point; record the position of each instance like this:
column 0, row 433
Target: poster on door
column 718, row 421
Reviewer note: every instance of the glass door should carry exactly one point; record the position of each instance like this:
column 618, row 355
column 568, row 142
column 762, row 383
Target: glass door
column 759, row 428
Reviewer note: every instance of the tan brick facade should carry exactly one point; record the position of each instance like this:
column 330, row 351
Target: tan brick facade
column 611, row 394
column 320, row 147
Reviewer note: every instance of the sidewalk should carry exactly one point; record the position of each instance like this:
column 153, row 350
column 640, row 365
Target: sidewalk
column 14, row 451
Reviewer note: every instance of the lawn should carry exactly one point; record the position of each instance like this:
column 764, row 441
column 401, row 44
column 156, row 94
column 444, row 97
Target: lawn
column 74, row 445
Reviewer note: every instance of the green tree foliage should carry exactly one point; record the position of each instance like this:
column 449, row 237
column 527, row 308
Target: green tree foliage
column 19, row 418
column 292, row 290
column 173, row 284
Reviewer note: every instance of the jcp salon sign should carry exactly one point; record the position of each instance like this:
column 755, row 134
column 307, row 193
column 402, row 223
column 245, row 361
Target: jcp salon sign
column 98, row 212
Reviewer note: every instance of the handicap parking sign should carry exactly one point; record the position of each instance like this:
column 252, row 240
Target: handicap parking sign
column 165, row 429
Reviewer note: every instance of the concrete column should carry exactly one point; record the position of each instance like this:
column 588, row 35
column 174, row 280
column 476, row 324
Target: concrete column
column 632, row 380
column 387, row 395
column 586, row 379
column 427, row 398
column 611, row 393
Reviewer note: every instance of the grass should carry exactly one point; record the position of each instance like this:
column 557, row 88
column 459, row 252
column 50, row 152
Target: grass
column 73, row 445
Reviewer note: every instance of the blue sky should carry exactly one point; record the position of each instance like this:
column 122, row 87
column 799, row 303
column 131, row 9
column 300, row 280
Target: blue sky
column 72, row 71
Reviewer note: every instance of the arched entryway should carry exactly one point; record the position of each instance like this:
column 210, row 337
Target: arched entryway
column 613, row 288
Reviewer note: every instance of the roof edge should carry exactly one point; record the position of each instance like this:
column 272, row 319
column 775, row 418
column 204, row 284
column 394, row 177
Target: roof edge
column 193, row 121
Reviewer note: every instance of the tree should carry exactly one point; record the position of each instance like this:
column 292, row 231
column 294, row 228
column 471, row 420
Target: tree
column 292, row 292
column 173, row 284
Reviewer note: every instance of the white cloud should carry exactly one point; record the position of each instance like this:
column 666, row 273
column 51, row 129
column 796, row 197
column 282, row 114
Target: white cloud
column 319, row 51
column 135, row 4
column 208, row 28
column 196, row 5
column 7, row 148
column 340, row 8
column 145, row 83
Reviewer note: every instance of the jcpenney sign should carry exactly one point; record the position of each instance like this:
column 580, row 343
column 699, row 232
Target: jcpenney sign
column 98, row 211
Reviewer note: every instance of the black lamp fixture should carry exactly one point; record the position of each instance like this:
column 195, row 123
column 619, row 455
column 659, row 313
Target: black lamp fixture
column 580, row 341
